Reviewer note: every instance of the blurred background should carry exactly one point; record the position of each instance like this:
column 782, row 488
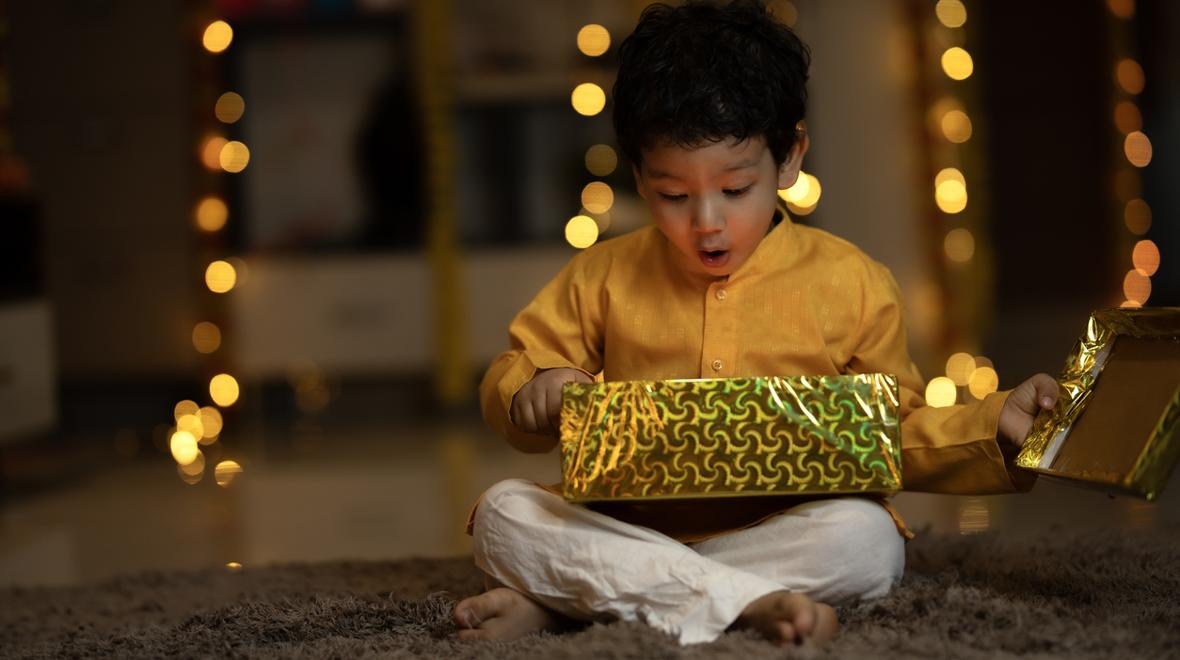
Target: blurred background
column 257, row 253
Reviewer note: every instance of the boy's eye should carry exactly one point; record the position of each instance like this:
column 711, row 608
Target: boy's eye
column 736, row 192
column 673, row 198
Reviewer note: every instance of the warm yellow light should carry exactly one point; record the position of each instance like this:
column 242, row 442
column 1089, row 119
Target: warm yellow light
column 1137, row 148
column 951, row 196
column 803, row 196
column 1123, row 9
column 981, row 361
column 956, row 126
column 785, row 11
column 949, row 174
column 1130, row 304
column 941, row 392
column 211, row 151
column 234, row 157
column 601, row 160
column 220, row 276
column 233, row 566
column 1137, row 216
column 597, row 197
column 593, row 40
column 206, row 337
column 1146, row 257
column 1136, row 287
column 217, row 37
column 192, row 424
column 957, row 63
column 184, row 447
column 983, row 381
column 1127, row 117
column 1130, row 76
column 581, row 231
column 223, row 389
column 226, row 472
column 588, row 99
column 959, row 367
column 185, row 407
column 211, row 213
column 190, row 479
column 195, row 468
column 229, row 107
column 959, row 245
column 603, row 222
column 211, row 424
column 951, row 13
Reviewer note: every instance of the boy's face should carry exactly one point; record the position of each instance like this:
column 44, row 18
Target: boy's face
column 715, row 203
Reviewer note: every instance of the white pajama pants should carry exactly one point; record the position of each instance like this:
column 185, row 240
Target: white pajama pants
column 590, row 566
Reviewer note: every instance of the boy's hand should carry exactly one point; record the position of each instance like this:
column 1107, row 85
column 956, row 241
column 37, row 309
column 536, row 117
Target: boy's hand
column 536, row 408
column 1022, row 406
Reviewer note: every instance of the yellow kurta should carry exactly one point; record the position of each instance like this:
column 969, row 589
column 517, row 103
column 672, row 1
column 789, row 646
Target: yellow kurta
column 805, row 303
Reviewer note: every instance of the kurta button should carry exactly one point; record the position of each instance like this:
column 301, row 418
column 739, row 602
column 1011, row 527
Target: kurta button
column 716, row 365
column 720, row 294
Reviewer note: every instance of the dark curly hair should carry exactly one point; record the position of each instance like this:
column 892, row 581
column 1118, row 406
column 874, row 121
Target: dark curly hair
column 704, row 72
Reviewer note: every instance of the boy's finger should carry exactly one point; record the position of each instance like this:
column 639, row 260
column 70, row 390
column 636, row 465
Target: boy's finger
column 528, row 423
column 540, row 411
column 1046, row 389
column 553, row 408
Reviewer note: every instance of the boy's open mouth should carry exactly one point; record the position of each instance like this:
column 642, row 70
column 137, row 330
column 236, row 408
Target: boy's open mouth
column 714, row 258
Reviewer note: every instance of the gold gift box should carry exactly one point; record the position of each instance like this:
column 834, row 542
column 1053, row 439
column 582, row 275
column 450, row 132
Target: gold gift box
column 654, row 440
column 1116, row 424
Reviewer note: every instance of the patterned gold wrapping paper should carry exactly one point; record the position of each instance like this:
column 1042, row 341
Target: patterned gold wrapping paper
column 651, row 440
column 1132, row 429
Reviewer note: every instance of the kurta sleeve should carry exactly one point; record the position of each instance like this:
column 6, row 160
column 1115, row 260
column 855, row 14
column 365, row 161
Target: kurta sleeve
column 950, row 449
column 560, row 328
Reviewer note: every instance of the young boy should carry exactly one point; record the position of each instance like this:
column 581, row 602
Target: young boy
column 707, row 106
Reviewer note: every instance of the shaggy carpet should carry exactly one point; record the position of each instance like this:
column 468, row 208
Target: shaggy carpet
column 1061, row 595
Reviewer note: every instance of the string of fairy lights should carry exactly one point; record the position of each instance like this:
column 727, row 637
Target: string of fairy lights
column 1135, row 153
column 967, row 376
column 589, row 99
column 193, row 440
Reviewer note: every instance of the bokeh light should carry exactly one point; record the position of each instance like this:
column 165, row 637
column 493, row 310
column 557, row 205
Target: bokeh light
column 1127, row 184
column 211, row 213
column 206, row 337
column 211, row 151
column 949, row 174
column 1146, row 257
column 957, row 63
column 220, row 277
column 184, row 447
column 803, row 196
column 601, row 160
column 233, row 566
column 185, row 407
column 1136, row 287
column 941, row 392
column 959, row 245
column 1137, row 148
column 983, row 381
column 194, row 468
column 190, row 479
column 229, row 107
column 226, row 473
column 951, row 196
column 223, row 389
column 211, row 424
column 588, row 99
column 217, row 37
column 956, row 126
column 581, row 231
column 1123, row 9
column 951, row 13
column 1137, row 216
column 593, row 40
column 234, row 157
column 1127, row 117
column 597, row 197
column 1129, row 75
column 192, row 424
column 959, row 367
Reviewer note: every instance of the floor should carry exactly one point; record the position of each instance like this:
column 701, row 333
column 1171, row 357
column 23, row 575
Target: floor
column 368, row 492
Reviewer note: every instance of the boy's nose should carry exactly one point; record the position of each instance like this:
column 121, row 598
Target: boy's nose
column 708, row 218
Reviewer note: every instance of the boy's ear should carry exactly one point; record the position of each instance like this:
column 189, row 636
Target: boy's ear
column 788, row 172
column 639, row 185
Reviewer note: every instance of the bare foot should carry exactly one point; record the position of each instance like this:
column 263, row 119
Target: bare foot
column 789, row 618
column 502, row 614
